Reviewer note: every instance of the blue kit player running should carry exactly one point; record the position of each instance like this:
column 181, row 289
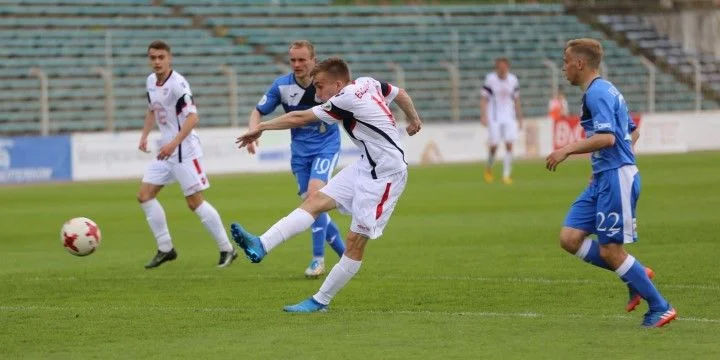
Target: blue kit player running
column 315, row 146
column 607, row 206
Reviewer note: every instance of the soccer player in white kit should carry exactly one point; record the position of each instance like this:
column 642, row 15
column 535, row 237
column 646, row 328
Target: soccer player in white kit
column 501, row 113
column 171, row 106
column 368, row 189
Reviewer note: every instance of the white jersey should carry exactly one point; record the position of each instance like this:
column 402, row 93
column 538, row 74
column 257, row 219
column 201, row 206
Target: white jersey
column 362, row 107
column 501, row 95
column 172, row 102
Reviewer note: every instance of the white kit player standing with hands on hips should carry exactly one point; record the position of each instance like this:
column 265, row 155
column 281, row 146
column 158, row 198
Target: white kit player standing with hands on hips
column 501, row 113
column 368, row 189
column 171, row 106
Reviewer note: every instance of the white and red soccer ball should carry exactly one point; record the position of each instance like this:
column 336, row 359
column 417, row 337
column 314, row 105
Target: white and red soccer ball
column 80, row 236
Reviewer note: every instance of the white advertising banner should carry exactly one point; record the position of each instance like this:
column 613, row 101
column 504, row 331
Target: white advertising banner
column 113, row 156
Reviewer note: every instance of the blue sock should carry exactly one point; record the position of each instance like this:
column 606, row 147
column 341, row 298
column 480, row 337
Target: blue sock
column 334, row 238
column 319, row 234
column 590, row 253
column 633, row 274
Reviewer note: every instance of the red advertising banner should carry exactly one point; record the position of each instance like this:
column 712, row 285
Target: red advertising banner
column 567, row 130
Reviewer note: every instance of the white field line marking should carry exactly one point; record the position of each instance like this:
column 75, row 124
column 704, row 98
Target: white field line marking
column 480, row 314
column 525, row 280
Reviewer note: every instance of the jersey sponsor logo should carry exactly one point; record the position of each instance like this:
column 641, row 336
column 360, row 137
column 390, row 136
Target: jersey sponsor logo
column 359, row 92
column 602, row 126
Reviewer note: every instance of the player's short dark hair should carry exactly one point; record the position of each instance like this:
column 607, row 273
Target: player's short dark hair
column 159, row 45
column 333, row 66
column 503, row 59
column 303, row 44
column 590, row 49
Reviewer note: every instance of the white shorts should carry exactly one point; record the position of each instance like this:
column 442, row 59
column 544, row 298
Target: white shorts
column 502, row 131
column 369, row 201
column 189, row 173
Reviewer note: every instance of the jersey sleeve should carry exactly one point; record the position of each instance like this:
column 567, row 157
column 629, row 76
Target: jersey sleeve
column 516, row 89
column 631, row 123
column 600, row 106
column 338, row 108
column 389, row 91
column 147, row 95
column 269, row 101
column 185, row 104
column 486, row 90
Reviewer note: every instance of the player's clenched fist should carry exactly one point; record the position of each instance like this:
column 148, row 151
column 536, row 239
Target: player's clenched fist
column 414, row 127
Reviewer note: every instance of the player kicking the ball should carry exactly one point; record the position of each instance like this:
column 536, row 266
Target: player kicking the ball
column 368, row 189
column 171, row 106
column 607, row 207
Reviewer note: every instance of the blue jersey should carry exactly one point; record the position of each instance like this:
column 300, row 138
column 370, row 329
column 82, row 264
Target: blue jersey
column 309, row 140
column 604, row 111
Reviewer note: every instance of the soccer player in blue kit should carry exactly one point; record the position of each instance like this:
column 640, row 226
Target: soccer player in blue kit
column 315, row 147
column 607, row 206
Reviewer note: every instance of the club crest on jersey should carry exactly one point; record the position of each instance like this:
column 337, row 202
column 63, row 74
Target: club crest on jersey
column 263, row 100
column 166, row 91
column 323, row 128
column 327, row 106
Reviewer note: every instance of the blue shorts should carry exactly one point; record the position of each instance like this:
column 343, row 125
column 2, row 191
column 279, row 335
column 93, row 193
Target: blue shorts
column 318, row 167
column 607, row 206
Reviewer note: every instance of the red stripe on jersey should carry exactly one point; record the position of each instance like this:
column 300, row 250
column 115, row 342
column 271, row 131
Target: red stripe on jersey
column 386, row 195
column 197, row 166
column 384, row 108
column 336, row 116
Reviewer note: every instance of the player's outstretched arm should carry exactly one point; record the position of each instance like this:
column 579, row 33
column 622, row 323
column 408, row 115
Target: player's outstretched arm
column 290, row 120
column 591, row 144
column 405, row 102
column 147, row 126
column 253, row 121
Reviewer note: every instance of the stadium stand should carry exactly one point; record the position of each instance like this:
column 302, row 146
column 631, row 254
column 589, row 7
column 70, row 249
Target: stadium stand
column 657, row 46
column 68, row 39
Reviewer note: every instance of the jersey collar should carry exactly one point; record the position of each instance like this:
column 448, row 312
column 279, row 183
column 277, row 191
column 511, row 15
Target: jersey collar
column 592, row 82
column 158, row 84
column 298, row 84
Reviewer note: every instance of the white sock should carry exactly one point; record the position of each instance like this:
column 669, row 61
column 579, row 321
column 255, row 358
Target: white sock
column 210, row 218
column 155, row 216
column 338, row 277
column 296, row 222
column 625, row 266
column 507, row 164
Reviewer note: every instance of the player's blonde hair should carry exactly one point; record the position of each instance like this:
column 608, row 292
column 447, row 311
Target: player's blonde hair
column 297, row 44
column 334, row 66
column 159, row 45
column 590, row 49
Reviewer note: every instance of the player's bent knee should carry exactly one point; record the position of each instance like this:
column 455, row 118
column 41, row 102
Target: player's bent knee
column 613, row 254
column 143, row 197
column 194, row 201
column 317, row 202
column 355, row 246
column 571, row 240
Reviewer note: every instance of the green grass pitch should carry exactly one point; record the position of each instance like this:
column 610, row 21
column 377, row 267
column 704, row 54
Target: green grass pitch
column 465, row 270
